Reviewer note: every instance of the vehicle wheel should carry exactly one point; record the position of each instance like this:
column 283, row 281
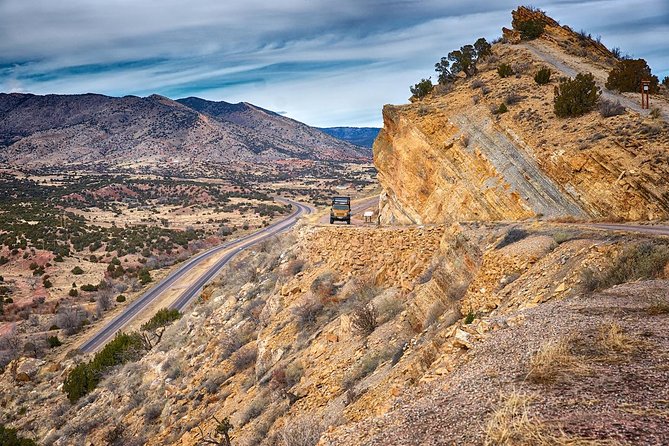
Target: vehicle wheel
column 331, row 221
column 348, row 222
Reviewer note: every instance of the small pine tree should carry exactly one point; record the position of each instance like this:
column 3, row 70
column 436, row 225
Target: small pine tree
column 144, row 277
column 543, row 76
column 665, row 81
column 73, row 292
column 505, row 70
column 628, row 74
column 483, row 49
column 9, row 437
column 53, row 341
column 575, row 97
column 422, row 88
column 77, row 271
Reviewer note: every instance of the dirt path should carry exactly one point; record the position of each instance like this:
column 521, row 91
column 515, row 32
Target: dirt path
column 573, row 65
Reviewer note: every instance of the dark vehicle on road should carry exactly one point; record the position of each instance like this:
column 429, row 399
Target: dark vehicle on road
column 341, row 210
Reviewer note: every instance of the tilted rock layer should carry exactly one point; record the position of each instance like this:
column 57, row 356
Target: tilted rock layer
column 448, row 157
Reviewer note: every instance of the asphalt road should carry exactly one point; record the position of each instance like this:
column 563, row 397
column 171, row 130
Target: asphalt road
column 235, row 247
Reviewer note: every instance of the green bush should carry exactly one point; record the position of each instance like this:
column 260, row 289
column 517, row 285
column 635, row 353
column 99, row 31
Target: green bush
column 120, row 298
column 640, row 261
column 8, row 437
column 575, row 97
column 88, row 287
column 505, row 70
column 162, row 318
column 422, row 88
column 529, row 29
column 86, row 376
column 73, row 292
column 501, row 109
column 53, row 341
column 144, row 277
column 47, row 283
column 665, row 81
column 543, row 76
column 77, row 271
column 628, row 74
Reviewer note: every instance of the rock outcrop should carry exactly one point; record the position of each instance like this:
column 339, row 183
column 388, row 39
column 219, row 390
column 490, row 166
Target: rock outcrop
column 452, row 157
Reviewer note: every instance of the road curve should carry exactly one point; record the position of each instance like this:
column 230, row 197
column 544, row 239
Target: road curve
column 235, row 247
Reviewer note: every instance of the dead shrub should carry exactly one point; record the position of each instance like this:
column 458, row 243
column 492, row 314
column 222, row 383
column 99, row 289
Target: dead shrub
column 70, row 319
column 512, row 98
column 609, row 108
column 152, row 412
column 477, row 83
column 554, row 362
column 641, row 261
column 292, row 267
column 323, row 286
column 305, row 430
column 307, row 310
column 388, row 308
column 365, row 319
column 254, row 410
column 244, row 357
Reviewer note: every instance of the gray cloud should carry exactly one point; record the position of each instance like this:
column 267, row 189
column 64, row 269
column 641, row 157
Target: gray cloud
column 322, row 62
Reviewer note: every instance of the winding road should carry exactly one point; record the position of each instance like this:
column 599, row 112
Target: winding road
column 231, row 248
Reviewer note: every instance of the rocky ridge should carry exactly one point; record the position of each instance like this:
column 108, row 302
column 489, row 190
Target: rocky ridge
column 448, row 157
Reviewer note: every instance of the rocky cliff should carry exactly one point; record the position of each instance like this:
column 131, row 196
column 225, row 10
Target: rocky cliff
column 451, row 157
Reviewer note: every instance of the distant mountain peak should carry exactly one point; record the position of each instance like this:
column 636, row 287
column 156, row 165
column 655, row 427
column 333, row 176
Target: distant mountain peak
column 57, row 129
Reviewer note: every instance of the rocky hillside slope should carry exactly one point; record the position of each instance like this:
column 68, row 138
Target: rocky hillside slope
column 56, row 130
column 451, row 157
column 457, row 335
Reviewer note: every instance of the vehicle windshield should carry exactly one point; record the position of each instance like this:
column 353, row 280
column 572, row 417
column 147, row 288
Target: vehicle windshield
column 340, row 207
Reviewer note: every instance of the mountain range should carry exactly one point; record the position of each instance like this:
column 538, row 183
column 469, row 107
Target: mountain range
column 51, row 130
column 360, row 136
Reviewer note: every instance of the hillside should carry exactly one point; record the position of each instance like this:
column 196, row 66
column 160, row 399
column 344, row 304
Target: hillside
column 452, row 157
column 531, row 331
column 59, row 130
column 360, row 136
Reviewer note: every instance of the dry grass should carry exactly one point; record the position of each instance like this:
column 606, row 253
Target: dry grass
column 658, row 307
column 301, row 431
column 613, row 339
column 555, row 361
column 512, row 425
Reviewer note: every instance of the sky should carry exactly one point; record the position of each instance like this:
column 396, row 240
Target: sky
column 322, row 62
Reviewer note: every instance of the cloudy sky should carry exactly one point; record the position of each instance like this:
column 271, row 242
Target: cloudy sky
column 322, row 62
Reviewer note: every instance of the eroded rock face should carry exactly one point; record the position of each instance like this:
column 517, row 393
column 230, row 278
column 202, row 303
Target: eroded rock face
column 449, row 158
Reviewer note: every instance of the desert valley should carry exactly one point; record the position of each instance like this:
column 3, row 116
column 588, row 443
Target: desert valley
column 168, row 274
